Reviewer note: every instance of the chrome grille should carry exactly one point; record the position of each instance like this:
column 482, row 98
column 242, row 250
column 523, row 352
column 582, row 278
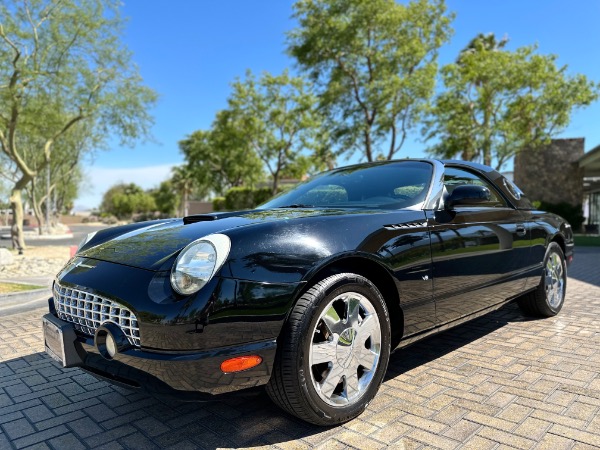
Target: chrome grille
column 87, row 312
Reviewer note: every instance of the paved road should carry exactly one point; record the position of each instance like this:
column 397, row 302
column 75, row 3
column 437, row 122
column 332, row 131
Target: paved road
column 498, row 382
column 79, row 232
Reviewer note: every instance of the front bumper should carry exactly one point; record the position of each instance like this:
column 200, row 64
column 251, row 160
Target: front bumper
column 165, row 373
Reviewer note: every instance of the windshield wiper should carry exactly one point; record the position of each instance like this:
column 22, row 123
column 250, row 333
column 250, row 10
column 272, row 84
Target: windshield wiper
column 297, row 205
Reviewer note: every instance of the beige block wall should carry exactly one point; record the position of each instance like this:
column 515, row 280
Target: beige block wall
column 551, row 174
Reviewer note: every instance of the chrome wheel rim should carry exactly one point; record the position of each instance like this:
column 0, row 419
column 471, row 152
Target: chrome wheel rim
column 345, row 349
column 554, row 280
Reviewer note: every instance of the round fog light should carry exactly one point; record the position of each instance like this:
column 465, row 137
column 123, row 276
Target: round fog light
column 102, row 338
column 111, row 340
column 111, row 346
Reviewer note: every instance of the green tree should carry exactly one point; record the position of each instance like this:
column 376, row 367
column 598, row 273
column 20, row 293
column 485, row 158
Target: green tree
column 125, row 200
column 277, row 116
column 61, row 64
column 222, row 157
column 498, row 102
column 62, row 189
column 166, row 198
column 54, row 191
column 375, row 63
column 65, row 194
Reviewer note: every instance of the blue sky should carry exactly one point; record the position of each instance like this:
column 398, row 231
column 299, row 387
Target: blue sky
column 190, row 51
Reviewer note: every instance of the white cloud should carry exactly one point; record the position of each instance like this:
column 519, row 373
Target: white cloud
column 100, row 179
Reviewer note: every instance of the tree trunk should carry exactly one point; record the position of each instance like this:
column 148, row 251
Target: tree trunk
column 487, row 152
column 39, row 217
column 368, row 145
column 275, row 186
column 37, row 212
column 16, row 204
column 487, row 134
column 185, row 203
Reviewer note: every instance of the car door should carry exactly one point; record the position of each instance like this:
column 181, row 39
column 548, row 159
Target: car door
column 477, row 251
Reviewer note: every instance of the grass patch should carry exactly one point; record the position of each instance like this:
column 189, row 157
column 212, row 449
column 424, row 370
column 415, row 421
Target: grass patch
column 582, row 240
column 9, row 288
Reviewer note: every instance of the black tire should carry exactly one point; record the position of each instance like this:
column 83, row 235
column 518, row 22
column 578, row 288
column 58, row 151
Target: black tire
column 542, row 302
column 292, row 385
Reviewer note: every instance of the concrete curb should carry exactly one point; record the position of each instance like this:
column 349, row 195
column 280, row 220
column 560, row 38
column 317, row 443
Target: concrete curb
column 17, row 302
column 22, row 296
column 36, row 237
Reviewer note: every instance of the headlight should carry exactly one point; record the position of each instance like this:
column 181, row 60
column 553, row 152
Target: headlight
column 198, row 262
column 85, row 240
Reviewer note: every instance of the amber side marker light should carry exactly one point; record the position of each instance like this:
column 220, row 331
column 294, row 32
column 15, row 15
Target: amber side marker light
column 240, row 363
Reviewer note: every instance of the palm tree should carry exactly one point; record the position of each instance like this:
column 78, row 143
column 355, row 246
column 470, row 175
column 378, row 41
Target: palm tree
column 482, row 43
column 184, row 183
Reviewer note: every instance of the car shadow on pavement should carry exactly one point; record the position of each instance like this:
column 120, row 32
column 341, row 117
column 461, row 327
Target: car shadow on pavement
column 41, row 402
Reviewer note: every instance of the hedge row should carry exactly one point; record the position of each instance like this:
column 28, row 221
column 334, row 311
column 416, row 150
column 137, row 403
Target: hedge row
column 239, row 198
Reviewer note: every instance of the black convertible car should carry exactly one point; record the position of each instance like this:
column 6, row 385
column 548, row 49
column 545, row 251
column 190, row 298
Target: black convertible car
column 310, row 292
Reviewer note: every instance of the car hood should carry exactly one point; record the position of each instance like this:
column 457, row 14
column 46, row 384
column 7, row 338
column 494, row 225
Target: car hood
column 151, row 247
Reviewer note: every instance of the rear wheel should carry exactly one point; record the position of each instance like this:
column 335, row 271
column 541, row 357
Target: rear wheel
column 548, row 299
column 334, row 351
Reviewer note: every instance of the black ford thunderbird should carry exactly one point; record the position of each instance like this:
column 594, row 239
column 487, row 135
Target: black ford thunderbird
column 309, row 293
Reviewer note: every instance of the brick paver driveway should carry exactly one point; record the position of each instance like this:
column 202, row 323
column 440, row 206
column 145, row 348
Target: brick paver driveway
column 498, row 382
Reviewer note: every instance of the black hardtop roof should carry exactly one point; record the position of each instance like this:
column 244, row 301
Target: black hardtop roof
column 454, row 162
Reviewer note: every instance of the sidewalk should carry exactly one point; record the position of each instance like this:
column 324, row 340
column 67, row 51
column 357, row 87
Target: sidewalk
column 501, row 381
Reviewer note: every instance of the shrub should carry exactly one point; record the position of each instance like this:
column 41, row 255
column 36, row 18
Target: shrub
column 109, row 220
column 240, row 198
column 218, row 204
column 261, row 195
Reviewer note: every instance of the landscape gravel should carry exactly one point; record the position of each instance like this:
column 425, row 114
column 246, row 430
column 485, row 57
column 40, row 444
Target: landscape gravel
column 36, row 261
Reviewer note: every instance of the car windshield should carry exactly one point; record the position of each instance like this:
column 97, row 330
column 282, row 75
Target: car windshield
column 387, row 185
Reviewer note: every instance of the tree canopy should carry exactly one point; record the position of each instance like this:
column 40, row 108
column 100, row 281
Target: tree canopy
column 166, row 198
column 62, row 65
column 497, row 102
column 375, row 64
column 278, row 118
column 270, row 123
column 124, row 200
column 221, row 157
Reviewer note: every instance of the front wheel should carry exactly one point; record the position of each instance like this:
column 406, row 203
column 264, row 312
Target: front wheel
column 549, row 297
column 333, row 352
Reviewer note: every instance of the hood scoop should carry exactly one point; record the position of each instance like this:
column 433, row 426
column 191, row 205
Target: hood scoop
column 199, row 218
column 214, row 216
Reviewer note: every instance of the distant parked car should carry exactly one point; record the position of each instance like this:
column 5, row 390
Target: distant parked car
column 309, row 293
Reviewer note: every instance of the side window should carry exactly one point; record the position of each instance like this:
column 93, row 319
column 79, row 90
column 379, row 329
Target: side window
column 454, row 177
